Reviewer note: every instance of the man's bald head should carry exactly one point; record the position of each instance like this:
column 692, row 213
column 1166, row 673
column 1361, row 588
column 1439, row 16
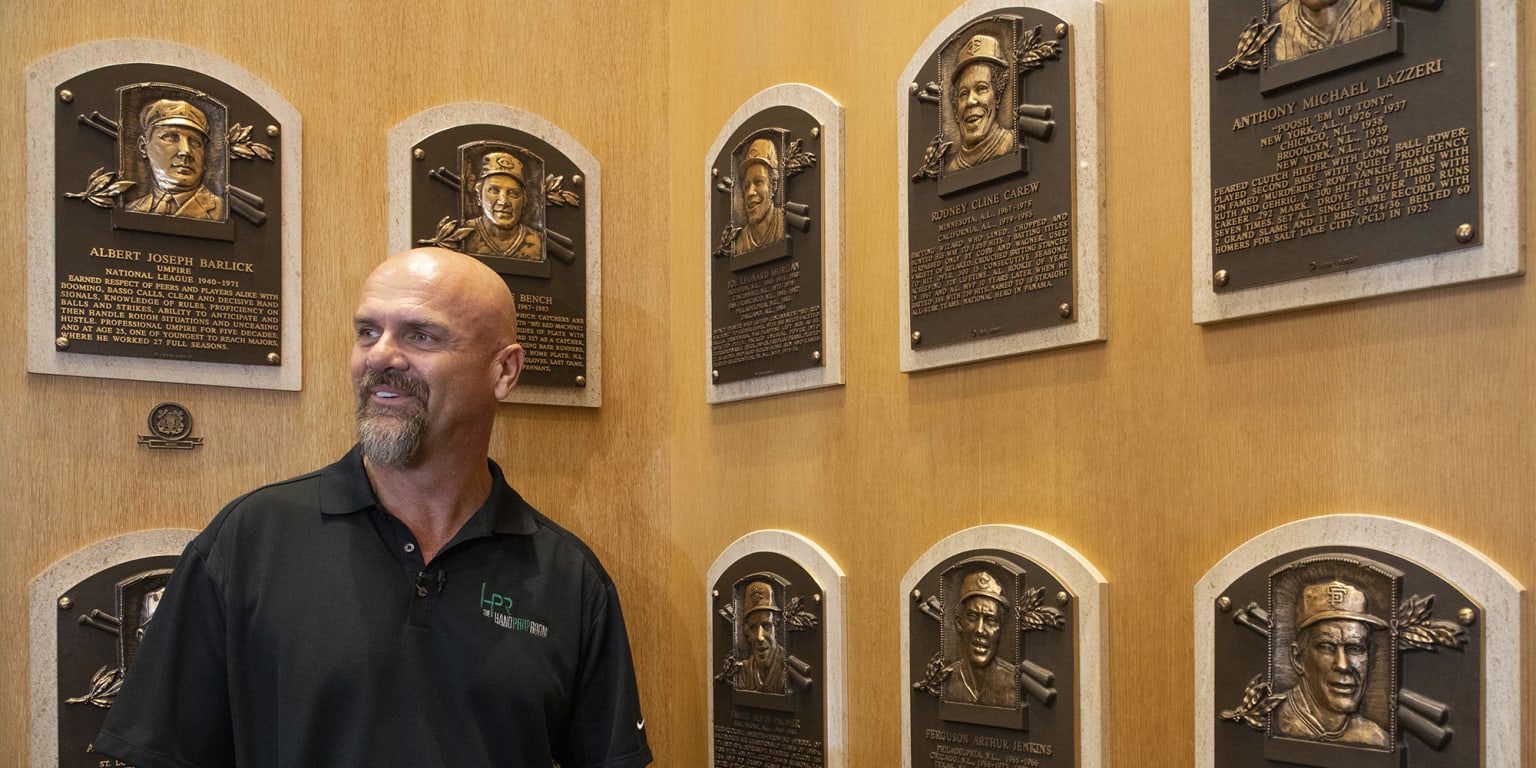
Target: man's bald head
column 480, row 294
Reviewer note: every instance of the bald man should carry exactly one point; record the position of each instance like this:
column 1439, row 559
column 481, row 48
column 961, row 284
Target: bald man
column 402, row 606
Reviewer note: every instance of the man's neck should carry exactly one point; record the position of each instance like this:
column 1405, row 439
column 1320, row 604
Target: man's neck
column 433, row 498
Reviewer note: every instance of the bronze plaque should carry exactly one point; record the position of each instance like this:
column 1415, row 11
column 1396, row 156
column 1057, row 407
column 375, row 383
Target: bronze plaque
column 766, row 268
column 991, row 232
column 1347, row 658
column 101, row 621
column 768, row 664
column 992, row 639
column 168, row 231
column 515, row 202
column 1342, row 135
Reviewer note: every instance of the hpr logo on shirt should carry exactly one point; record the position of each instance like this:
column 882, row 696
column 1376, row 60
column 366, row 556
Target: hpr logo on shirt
column 498, row 608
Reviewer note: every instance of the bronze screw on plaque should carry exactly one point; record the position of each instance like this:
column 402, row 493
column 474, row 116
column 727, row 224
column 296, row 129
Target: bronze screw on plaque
column 1464, row 233
column 61, row 342
column 1221, row 278
column 274, row 358
column 66, row 96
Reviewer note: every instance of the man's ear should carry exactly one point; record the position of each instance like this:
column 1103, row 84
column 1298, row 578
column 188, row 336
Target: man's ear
column 508, row 365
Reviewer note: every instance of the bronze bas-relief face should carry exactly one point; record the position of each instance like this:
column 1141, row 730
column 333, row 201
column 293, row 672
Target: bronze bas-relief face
column 1332, row 659
column 758, row 193
column 175, row 154
column 979, row 624
column 501, row 200
column 760, row 635
column 975, row 102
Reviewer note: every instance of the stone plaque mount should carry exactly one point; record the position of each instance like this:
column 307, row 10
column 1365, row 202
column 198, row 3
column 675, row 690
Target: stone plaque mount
column 773, row 280
column 1023, row 683
column 778, row 656
column 178, row 258
column 999, row 239
column 1366, row 167
column 1357, row 641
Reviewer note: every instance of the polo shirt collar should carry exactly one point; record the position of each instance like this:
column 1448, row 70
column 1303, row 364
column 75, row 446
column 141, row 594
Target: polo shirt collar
column 344, row 490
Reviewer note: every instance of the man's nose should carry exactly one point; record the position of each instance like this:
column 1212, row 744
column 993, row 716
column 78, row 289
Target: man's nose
column 1341, row 660
column 384, row 353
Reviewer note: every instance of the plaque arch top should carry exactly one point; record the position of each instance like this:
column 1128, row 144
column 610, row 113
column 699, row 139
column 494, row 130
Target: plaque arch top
column 1089, row 592
column 1499, row 595
column 43, row 613
column 829, row 577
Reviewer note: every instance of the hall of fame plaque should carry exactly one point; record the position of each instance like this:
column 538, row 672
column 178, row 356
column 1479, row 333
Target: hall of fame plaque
column 1003, row 662
column 164, row 214
column 778, row 685
column 1357, row 642
column 774, row 211
column 523, row 197
column 88, row 615
column 999, row 184
column 1350, row 149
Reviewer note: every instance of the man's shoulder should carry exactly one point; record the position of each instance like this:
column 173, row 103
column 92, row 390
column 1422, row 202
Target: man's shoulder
column 555, row 537
column 273, row 505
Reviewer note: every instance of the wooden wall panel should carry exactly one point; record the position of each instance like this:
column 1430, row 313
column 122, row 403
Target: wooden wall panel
column 1153, row 454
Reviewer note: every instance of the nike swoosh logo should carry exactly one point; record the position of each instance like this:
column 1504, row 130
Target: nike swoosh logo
column 640, row 724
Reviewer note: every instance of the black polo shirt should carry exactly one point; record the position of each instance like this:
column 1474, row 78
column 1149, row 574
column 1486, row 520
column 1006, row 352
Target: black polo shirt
column 302, row 629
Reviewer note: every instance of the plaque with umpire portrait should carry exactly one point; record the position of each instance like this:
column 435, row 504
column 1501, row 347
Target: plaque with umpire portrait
column 522, row 196
column 164, row 219
column 1350, row 148
column 999, row 184
column 773, row 207
column 1003, row 663
column 777, row 693
column 1343, row 654
column 89, row 613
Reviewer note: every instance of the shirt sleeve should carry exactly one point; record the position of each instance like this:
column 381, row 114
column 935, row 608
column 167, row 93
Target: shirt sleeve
column 606, row 727
column 173, row 710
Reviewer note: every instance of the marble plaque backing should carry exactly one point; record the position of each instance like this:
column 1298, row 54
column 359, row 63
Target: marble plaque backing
column 202, row 251
column 797, row 712
column 56, row 679
column 813, row 252
column 1076, row 316
column 1441, row 673
column 1350, row 172
column 1063, row 680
